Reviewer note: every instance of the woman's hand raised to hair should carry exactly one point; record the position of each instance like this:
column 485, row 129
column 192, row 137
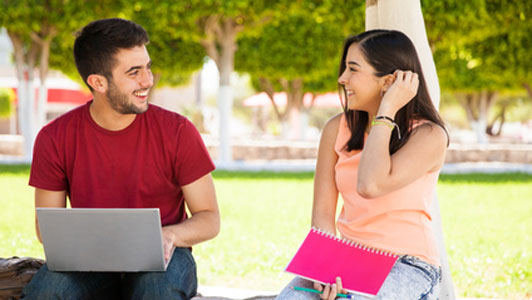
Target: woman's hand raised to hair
column 403, row 89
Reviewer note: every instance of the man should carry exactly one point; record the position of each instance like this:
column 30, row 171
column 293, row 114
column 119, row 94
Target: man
column 119, row 151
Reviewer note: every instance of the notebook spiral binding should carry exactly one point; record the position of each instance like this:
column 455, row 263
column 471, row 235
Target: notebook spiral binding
column 353, row 243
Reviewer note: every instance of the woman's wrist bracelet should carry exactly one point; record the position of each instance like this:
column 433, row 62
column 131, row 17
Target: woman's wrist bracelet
column 375, row 122
column 385, row 120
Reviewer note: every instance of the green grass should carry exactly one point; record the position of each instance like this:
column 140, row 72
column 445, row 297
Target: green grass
column 487, row 225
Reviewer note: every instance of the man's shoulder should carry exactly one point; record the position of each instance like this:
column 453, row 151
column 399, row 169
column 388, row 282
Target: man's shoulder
column 65, row 120
column 166, row 116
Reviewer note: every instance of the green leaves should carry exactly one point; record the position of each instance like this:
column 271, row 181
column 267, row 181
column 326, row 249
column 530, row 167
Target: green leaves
column 303, row 43
column 480, row 44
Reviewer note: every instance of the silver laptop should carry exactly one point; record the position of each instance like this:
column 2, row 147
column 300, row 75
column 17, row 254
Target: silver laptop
column 102, row 240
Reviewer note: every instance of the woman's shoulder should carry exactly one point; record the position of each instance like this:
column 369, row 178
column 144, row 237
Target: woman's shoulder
column 332, row 125
column 429, row 128
column 330, row 131
column 430, row 137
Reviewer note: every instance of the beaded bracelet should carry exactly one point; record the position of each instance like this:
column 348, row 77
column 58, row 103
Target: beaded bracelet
column 375, row 122
column 389, row 122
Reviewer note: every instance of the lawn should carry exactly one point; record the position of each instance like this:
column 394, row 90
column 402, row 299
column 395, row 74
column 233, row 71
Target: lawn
column 487, row 225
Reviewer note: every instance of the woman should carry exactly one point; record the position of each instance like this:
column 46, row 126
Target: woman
column 383, row 155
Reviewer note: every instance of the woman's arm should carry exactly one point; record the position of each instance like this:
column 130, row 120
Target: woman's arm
column 325, row 192
column 379, row 173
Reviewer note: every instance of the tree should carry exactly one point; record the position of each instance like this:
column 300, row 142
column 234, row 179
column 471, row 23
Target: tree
column 491, row 58
column 298, row 52
column 32, row 27
column 288, row 53
column 216, row 25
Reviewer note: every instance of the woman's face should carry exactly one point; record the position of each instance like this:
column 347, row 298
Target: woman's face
column 362, row 87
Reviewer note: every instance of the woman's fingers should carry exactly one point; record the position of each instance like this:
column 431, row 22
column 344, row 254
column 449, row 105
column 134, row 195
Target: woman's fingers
column 318, row 286
column 333, row 292
column 408, row 76
column 405, row 76
column 330, row 291
column 340, row 286
column 326, row 291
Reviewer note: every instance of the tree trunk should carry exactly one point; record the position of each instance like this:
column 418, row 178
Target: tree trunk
column 477, row 107
column 528, row 89
column 220, row 45
column 465, row 101
column 225, row 97
column 406, row 16
column 24, row 64
column 43, row 74
column 267, row 87
column 502, row 117
column 294, row 105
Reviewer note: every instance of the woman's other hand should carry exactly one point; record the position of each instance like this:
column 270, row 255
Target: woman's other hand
column 330, row 291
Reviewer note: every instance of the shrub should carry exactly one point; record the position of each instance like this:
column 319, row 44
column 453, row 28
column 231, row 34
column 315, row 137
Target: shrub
column 7, row 96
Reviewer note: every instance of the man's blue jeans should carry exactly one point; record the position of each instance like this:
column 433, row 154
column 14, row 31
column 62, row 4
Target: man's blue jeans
column 178, row 282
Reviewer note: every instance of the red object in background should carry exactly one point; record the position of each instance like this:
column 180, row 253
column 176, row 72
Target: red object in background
column 63, row 96
column 68, row 96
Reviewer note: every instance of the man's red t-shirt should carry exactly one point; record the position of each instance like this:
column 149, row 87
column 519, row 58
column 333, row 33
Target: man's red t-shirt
column 141, row 166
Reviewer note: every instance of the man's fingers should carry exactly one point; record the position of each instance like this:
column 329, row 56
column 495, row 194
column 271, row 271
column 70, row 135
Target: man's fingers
column 166, row 251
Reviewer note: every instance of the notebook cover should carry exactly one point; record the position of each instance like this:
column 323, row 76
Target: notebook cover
column 322, row 257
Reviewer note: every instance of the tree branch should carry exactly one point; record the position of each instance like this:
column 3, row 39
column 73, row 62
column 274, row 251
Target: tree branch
column 465, row 100
column 267, row 87
column 212, row 29
column 19, row 53
column 528, row 89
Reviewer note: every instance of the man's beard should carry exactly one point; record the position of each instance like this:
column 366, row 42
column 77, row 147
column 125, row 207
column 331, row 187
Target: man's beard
column 120, row 101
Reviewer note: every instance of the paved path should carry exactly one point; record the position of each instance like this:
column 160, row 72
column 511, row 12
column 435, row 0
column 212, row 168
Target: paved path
column 308, row 165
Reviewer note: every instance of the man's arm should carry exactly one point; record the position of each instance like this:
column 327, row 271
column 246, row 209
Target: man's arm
column 47, row 198
column 204, row 222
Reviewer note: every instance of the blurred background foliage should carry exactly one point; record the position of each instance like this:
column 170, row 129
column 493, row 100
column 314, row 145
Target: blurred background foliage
column 481, row 47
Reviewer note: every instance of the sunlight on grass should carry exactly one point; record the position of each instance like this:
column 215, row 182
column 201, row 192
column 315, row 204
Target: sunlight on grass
column 17, row 231
column 487, row 225
column 488, row 233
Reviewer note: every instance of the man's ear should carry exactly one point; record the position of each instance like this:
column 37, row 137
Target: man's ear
column 98, row 83
column 387, row 81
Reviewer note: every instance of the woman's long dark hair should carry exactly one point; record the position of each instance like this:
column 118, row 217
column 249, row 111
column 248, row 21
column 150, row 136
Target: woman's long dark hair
column 387, row 51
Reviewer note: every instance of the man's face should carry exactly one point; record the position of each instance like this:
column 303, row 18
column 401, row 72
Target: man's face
column 131, row 81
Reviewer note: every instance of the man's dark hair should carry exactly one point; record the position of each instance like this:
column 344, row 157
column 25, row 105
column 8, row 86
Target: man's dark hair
column 98, row 42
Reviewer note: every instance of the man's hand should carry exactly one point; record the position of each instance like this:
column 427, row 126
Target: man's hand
column 168, row 243
column 204, row 221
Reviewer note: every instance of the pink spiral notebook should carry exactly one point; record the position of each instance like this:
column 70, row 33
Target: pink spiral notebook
column 322, row 257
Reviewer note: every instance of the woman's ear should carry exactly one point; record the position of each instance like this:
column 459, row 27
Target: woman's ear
column 98, row 83
column 387, row 81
